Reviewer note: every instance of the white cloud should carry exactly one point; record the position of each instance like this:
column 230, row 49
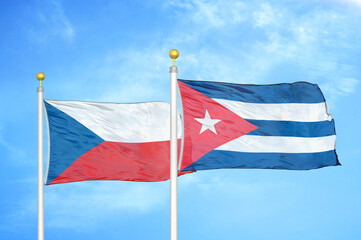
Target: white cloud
column 306, row 41
column 352, row 2
column 314, row 44
column 84, row 204
column 267, row 16
column 134, row 75
column 338, row 87
column 348, row 85
column 52, row 22
column 211, row 13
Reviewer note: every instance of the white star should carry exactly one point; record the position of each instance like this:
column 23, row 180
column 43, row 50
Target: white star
column 207, row 123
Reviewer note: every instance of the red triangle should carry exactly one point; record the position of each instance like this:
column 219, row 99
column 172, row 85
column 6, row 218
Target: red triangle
column 197, row 144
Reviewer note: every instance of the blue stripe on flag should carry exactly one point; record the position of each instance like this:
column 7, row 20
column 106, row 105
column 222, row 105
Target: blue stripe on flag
column 299, row 92
column 69, row 140
column 293, row 161
column 293, row 129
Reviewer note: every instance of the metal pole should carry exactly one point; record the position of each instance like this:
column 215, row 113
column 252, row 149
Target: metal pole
column 40, row 90
column 173, row 148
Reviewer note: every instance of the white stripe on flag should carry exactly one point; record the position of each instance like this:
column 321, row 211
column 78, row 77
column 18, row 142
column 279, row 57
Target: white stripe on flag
column 253, row 143
column 134, row 123
column 299, row 112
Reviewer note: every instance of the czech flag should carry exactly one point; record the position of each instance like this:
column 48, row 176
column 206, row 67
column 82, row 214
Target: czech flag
column 280, row 126
column 108, row 141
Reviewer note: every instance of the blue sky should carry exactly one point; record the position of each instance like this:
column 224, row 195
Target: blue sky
column 118, row 51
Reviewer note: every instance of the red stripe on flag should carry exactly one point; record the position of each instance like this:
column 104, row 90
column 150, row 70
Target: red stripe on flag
column 141, row 162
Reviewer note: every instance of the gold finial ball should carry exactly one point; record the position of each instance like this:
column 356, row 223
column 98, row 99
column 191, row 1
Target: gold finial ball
column 40, row 76
column 173, row 53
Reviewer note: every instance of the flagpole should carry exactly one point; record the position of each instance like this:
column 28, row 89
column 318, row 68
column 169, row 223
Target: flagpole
column 40, row 76
column 173, row 148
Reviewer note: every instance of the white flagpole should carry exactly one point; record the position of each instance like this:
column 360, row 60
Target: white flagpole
column 40, row 76
column 173, row 148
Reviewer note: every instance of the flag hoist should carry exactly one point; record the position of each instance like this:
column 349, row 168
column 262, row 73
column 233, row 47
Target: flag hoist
column 40, row 76
column 173, row 147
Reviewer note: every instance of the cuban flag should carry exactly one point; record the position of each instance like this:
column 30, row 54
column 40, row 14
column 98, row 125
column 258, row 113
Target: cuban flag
column 280, row 126
column 108, row 141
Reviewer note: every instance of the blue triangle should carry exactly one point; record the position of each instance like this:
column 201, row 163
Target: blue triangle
column 69, row 140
